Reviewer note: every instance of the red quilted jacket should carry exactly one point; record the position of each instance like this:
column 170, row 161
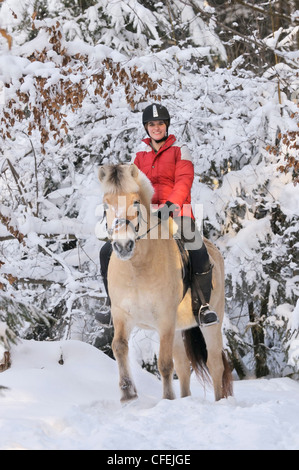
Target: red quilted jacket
column 171, row 173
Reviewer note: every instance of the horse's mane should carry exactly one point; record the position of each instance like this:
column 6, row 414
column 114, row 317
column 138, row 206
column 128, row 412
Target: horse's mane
column 124, row 179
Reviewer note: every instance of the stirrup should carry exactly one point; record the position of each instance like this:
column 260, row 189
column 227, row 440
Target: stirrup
column 206, row 316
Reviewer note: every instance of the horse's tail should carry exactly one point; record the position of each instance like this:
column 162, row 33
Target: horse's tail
column 196, row 350
column 197, row 354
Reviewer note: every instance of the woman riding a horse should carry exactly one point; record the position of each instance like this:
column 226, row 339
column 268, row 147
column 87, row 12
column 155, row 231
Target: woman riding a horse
column 168, row 165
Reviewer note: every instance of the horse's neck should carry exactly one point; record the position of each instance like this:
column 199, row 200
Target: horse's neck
column 151, row 247
column 150, row 252
column 145, row 252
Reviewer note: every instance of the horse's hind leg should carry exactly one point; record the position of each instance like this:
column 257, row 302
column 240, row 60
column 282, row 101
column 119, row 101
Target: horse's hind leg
column 120, row 350
column 182, row 364
column 213, row 339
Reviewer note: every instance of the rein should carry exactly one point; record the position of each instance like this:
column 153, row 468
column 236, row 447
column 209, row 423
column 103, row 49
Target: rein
column 149, row 230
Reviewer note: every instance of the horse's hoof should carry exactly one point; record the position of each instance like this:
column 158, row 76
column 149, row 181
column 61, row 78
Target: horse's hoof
column 128, row 400
column 128, row 390
column 169, row 397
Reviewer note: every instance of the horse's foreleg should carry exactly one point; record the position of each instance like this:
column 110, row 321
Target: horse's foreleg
column 182, row 364
column 165, row 363
column 120, row 350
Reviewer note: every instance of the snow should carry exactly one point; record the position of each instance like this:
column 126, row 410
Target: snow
column 74, row 405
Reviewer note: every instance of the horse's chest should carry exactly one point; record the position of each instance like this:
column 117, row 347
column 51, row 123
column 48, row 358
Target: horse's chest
column 142, row 307
column 148, row 296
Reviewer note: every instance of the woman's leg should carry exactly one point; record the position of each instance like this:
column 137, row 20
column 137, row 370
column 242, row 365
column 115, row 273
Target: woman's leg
column 105, row 254
column 201, row 271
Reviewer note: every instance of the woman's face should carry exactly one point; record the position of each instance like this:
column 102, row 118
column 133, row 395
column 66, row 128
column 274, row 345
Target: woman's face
column 156, row 129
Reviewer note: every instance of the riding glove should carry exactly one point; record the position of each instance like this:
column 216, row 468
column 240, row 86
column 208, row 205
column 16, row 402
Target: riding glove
column 165, row 211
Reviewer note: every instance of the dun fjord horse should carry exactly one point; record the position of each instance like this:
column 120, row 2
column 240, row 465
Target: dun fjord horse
column 146, row 290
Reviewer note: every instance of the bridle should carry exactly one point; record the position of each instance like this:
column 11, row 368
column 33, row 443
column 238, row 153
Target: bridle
column 148, row 230
column 120, row 222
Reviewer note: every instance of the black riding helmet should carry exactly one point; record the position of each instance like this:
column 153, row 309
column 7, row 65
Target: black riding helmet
column 156, row 112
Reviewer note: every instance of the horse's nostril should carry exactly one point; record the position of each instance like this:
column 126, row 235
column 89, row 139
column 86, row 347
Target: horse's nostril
column 117, row 247
column 123, row 250
column 130, row 245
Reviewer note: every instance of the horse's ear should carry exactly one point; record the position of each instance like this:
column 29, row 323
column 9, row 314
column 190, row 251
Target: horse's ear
column 102, row 173
column 134, row 170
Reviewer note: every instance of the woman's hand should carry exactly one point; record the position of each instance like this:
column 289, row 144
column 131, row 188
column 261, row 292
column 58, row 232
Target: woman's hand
column 165, row 211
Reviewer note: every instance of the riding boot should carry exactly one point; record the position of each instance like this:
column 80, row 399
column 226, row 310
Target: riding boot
column 104, row 315
column 201, row 287
column 105, row 282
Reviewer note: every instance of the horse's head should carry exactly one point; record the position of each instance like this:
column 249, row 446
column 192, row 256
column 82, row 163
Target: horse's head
column 127, row 195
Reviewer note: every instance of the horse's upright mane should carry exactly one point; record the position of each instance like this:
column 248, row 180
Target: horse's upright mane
column 124, row 179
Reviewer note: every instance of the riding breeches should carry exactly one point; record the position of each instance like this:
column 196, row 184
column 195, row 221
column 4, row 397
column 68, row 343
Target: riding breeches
column 105, row 254
column 193, row 242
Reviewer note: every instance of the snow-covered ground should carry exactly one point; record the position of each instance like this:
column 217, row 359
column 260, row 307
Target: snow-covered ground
column 64, row 395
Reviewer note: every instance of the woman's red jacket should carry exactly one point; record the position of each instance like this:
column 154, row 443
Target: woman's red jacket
column 171, row 173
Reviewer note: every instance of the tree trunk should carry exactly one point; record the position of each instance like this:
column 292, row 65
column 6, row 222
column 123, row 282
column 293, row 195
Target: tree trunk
column 257, row 331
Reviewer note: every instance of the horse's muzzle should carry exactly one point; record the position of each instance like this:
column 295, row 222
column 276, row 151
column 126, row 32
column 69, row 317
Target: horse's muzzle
column 123, row 248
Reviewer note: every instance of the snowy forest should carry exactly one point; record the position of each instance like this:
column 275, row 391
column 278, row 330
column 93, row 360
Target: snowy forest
column 74, row 79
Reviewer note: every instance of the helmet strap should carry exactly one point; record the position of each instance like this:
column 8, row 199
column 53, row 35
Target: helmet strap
column 160, row 140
